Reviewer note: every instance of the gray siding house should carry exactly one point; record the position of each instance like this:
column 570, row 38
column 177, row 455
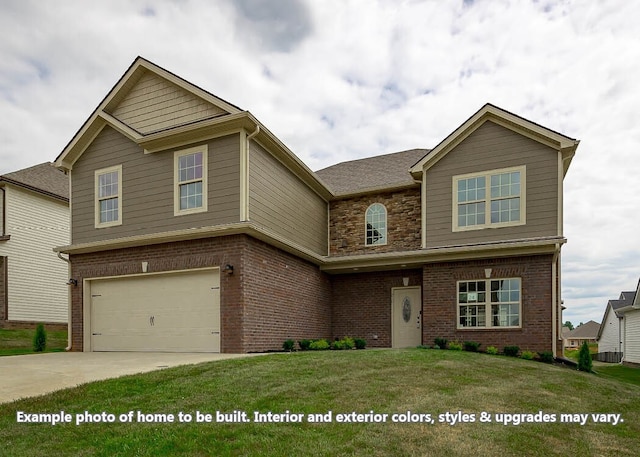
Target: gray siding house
column 194, row 228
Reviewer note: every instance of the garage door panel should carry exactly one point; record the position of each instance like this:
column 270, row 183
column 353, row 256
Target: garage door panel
column 176, row 312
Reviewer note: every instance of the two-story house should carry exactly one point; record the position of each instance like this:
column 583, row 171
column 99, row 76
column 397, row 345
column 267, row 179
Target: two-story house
column 194, row 228
column 34, row 218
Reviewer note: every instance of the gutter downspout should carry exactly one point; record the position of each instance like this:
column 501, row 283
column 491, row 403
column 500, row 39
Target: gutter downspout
column 620, row 337
column 68, row 348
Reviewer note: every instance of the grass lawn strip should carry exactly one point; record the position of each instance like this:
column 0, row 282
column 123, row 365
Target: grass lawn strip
column 393, row 382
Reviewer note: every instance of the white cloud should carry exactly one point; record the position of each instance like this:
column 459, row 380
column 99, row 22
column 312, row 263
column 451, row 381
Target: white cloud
column 337, row 80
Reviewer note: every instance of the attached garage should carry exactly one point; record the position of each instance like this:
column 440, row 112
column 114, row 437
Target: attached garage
column 165, row 312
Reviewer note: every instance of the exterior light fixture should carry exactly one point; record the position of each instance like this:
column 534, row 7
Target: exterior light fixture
column 228, row 269
column 72, row 282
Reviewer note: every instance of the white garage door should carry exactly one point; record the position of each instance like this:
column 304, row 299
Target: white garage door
column 172, row 312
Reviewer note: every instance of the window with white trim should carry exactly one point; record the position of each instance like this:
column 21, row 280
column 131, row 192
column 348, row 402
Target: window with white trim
column 490, row 199
column 490, row 303
column 376, row 225
column 108, row 196
column 190, row 180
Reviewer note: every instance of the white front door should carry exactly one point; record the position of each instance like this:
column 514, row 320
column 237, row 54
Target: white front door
column 406, row 317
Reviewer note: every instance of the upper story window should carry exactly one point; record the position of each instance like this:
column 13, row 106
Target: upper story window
column 108, row 196
column 190, row 180
column 489, row 303
column 489, row 199
column 376, row 225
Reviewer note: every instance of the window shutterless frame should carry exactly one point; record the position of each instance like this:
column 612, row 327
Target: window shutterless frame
column 375, row 225
column 489, row 303
column 190, row 180
column 489, row 199
column 108, row 196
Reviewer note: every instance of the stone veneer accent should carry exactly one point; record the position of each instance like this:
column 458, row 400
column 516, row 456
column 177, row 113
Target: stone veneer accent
column 271, row 296
column 347, row 231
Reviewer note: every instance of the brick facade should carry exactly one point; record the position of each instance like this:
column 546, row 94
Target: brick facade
column 271, row 296
column 440, row 302
column 347, row 232
column 362, row 304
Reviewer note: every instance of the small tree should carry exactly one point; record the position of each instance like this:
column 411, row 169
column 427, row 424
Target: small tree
column 40, row 339
column 584, row 358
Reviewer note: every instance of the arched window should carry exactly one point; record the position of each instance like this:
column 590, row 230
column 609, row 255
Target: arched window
column 376, row 225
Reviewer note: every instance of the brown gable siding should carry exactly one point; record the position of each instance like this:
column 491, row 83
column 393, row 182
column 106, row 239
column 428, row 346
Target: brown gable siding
column 155, row 104
column 147, row 188
column 403, row 223
column 493, row 147
column 281, row 202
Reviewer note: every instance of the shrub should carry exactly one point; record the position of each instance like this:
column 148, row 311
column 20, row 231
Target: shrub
column 288, row 345
column 304, row 344
column 440, row 343
column 546, row 357
column 528, row 355
column 492, row 350
column 471, row 346
column 319, row 345
column 360, row 343
column 345, row 343
column 584, row 359
column 40, row 339
column 511, row 351
column 455, row 346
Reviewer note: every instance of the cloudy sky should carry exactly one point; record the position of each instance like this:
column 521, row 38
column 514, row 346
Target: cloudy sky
column 339, row 80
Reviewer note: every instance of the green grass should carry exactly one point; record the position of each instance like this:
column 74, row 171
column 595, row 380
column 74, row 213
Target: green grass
column 421, row 381
column 17, row 342
column 573, row 353
column 618, row 372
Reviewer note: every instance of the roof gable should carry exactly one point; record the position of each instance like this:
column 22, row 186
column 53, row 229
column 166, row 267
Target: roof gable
column 589, row 330
column 147, row 99
column 506, row 119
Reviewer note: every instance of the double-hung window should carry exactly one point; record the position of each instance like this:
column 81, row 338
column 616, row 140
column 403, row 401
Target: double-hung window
column 190, row 180
column 108, row 196
column 490, row 303
column 490, row 199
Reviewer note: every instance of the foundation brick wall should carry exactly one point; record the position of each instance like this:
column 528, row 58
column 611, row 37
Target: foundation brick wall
column 285, row 298
column 362, row 304
column 347, row 231
column 266, row 283
column 439, row 302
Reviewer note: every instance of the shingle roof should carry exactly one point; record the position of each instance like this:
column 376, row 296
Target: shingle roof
column 628, row 296
column 389, row 170
column 44, row 178
column 588, row 330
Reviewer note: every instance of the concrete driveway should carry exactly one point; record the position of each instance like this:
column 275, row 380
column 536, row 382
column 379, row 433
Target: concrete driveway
column 36, row 374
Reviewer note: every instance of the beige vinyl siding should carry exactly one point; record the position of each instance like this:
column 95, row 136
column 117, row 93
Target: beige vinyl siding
column 610, row 337
column 492, row 147
column 155, row 104
column 36, row 276
column 1, row 211
column 147, row 188
column 632, row 336
column 281, row 202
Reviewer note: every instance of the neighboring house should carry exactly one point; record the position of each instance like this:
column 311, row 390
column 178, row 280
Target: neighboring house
column 611, row 336
column 565, row 332
column 194, row 228
column 631, row 328
column 34, row 218
column 583, row 333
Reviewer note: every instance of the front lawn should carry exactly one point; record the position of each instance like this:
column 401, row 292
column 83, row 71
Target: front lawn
column 17, row 342
column 442, row 386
